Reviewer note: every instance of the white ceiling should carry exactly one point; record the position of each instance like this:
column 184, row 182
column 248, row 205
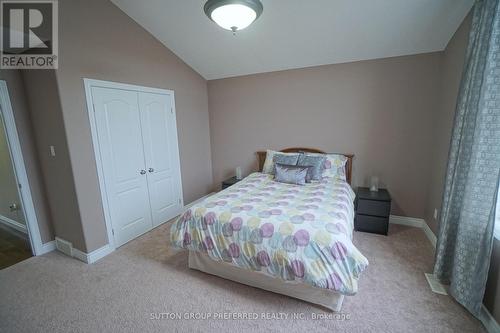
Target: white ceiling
column 298, row 33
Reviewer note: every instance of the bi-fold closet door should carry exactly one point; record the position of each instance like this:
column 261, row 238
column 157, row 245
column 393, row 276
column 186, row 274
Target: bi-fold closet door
column 138, row 148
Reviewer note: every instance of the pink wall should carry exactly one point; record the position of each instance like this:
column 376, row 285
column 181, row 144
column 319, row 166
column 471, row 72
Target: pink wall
column 99, row 41
column 380, row 110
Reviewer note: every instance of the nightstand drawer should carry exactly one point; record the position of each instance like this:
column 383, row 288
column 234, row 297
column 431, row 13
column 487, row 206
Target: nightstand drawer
column 379, row 225
column 374, row 207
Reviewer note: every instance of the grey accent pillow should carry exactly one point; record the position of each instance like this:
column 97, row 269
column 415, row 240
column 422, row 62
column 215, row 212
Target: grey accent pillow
column 316, row 164
column 290, row 174
column 285, row 159
column 268, row 166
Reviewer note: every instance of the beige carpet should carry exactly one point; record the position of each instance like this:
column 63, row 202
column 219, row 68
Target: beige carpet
column 119, row 293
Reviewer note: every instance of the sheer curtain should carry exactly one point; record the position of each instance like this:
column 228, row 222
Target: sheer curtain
column 467, row 218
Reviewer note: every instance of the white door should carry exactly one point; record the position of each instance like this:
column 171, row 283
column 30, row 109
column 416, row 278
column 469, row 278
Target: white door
column 118, row 123
column 161, row 155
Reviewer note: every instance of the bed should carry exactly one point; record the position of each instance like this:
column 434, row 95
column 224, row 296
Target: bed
column 289, row 239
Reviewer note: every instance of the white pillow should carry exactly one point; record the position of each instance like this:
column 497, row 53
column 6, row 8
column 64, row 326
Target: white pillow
column 269, row 162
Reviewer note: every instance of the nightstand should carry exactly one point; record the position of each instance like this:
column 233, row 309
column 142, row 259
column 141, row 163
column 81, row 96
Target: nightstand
column 372, row 210
column 229, row 182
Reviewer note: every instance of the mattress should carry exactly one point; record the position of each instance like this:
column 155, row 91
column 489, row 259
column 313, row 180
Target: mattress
column 300, row 234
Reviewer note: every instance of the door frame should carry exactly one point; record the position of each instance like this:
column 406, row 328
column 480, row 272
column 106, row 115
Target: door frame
column 20, row 171
column 91, row 83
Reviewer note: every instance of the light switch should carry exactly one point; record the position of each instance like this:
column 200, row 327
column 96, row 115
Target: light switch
column 435, row 214
column 52, row 151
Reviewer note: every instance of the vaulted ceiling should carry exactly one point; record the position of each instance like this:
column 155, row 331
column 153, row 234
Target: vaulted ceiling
column 297, row 33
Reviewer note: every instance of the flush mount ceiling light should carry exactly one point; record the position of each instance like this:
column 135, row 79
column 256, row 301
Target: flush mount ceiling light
column 233, row 15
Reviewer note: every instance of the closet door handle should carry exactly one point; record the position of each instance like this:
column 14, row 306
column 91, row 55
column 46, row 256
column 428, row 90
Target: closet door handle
column 142, row 172
column 151, row 169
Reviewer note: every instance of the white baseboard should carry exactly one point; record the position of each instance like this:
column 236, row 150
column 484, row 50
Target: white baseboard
column 47, row 247
column 485, row 316
column 64, row 246
column 67, row 248
column 417, row 223
column 430, row 235
column 80, row 255
column 93, row 256
column 408, row 221
column 13, row 224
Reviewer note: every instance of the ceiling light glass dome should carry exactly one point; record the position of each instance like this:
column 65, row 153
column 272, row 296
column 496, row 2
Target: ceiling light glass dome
column 233, row 15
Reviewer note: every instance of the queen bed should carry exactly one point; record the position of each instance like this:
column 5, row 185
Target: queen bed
column 294, row 240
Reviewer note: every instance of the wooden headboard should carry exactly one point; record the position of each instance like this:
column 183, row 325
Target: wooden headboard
column 348, row 167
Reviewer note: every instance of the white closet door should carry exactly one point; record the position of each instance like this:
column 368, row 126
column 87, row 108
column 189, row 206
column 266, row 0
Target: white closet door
column 118, row 123
column 162, row 156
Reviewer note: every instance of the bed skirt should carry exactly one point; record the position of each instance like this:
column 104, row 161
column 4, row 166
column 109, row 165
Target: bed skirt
column 324, row 297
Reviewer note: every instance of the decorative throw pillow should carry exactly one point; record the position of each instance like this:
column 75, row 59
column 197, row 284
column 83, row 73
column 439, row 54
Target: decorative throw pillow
column 285, row 159
column 334, row 165
column 291, row 174
column 269, row 162
column 316, row 164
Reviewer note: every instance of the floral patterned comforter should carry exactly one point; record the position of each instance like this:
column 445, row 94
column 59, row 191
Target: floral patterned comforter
column 296, row 233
